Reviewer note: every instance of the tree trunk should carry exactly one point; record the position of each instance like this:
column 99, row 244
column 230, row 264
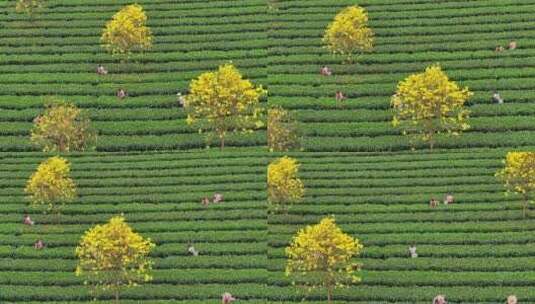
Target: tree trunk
column 329, row 294
column 349, row 59
column 431, row 141
column 222, row 140
column 57, row 212
column 117, row 295
column 525, row 206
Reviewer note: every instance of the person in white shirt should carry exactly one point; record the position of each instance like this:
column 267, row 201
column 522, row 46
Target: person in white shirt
column 448, row 200
column 192, row 250
column 218, row 198
column 496, row 98
column 440, row 299
column 412, row 251
column 180, row 99
column 512, row 299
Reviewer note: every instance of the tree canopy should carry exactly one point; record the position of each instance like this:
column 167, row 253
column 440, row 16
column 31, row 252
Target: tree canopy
column 63, row 128
column 518, row 175
column 428, row 103
column 222, row 101
column 349, row 34
column 112, row 256
column 127, row 32
column 321, row 256
column 51, row 184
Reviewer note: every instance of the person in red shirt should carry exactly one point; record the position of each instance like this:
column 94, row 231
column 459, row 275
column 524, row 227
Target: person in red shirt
column 340, row 96
column 325, row 71
column 27, row 220
column 227, row 298
column 121, row 94
column 39, row 244
column 101, row 70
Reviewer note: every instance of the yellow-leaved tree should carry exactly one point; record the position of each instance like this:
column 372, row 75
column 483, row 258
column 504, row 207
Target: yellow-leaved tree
column 222, row 101
column 51, row 184
column 63, row 128
column 518, row 175
column 348, row 34
column 321, row 256
column 113, row 257
column 282, row 130
column 284, row 185
column 126, row 32
column 28, row 6
column 428, row 103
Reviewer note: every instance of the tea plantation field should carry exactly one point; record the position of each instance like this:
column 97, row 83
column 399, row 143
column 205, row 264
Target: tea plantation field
column 478, row 250
column 57, row 55
column 410, row 35
column 355, row 165
column 159, row 194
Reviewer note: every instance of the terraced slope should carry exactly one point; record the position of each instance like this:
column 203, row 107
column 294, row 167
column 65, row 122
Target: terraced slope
column 478, row 250
column 59, row 52
column 460, row 35
column 159, row 195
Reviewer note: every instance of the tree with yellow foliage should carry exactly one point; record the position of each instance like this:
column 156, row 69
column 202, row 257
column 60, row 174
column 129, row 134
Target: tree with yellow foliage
column 126, row 32
column 428, row 103
column 321, row 256
column 223, row 102
column 112, row 257
column 28, row 6
column 349, row 34
column 51, row 184
column 282, row 131
column 63, row 128
column 518, row 175
column 284, row 186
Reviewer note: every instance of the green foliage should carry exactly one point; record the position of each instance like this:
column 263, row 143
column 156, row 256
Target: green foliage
column 29, row 7
column 63, row 128
column 283, row 184
column 282, row 130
